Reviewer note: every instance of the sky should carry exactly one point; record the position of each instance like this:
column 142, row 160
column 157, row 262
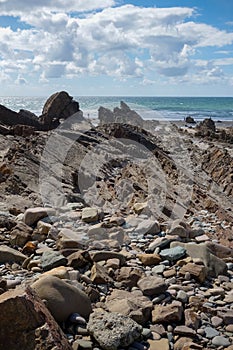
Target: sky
column 116, row 47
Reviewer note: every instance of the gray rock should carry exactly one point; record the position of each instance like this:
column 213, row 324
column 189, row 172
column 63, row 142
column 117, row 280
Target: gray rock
column 112, row 330
column 220, row 340
column 182, row 296
column 52, row 259
column 8, row 254
column 148, row 226
column 210, row 332
column 173, row 254
column 32, row 215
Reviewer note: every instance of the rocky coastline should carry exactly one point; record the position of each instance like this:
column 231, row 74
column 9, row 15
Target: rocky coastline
column 116, row 236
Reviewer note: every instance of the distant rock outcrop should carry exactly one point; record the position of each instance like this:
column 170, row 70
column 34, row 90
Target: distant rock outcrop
column 59, row 106
column 123, row 115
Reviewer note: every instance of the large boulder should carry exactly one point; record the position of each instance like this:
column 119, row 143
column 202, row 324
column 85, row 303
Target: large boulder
column 58, row 106
column 62, row 298
column 214, row 265
column 26, row 323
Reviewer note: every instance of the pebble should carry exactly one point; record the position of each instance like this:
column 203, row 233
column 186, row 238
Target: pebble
column 210, row 332
column 220, row 341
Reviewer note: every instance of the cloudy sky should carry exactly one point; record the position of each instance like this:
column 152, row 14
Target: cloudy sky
column 116, row 47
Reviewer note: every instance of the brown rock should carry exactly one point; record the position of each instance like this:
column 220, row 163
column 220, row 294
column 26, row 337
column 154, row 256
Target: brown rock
column 78, row 259
column 182, row 342
column 162, row 344
column 62, row 298
column 27, row 324
column 149, row 259
column 90, row 215
column 167, row 313
column 20, row 234
column 127, row 303
column 99, row 274
column 192, row 319
column 152, row 285
column 129, row 276
column 197, row 271
column 185, row 331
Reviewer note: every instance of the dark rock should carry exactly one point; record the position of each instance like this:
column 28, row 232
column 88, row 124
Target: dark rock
column 190, row 120
column 27, row 324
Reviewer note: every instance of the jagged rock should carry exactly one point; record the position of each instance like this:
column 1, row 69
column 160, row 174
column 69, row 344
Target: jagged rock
column 69, row 239
column 79, row 259
column 207, row 124
column 167, row 313
column 27, row 324
column 62, row 299
column 20, row 234
column 198, row 272
column 214, row 265
column 10, row 255
column 11, row 118
column 99, row 274
column 137, row 307
column 129, row 276
column 90, row 215
column 152, row 285
column 112, row 330
column 119, row 115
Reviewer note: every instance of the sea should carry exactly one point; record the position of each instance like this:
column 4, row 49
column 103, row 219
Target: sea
column 158, row 108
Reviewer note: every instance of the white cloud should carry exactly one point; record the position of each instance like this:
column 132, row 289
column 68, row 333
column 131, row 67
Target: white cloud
column 124, row 41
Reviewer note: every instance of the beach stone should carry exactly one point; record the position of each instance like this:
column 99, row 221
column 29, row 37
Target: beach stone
column 182, row 296
column 196, row 271
column 185, row 331
column 78, row 259
column 192, row 319
column 90, row 215
column 152, row 285
column 112, row 330
column 210, row 332
column 99, row 274
column 129, row 276
column 148, row 226
column 20, row 234
column 97, row 256
column 10, row 255
column 159, row 269
column 226, row 315
column 172, row 254
column 27, row 324
column 43, row 227
column 229, row 328
column 127, row 303
column 220, row 250
column 60, row 272
column 32, row 215
column 97, row 232
column 220, row 340
column 216, row 321
column 139, row 207
column 149, row 259
column 167, row 313
column 62, row 299
column 180, row 229
column 182, row 342
column 69, row 239
column 214, row 265
column 51, row 259
column 82, row 344
column 162, row 344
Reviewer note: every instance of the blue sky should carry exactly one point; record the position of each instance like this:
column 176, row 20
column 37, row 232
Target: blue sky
column 116, row 47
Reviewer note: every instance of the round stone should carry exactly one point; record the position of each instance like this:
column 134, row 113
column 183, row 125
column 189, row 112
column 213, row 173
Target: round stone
column 220, row 341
